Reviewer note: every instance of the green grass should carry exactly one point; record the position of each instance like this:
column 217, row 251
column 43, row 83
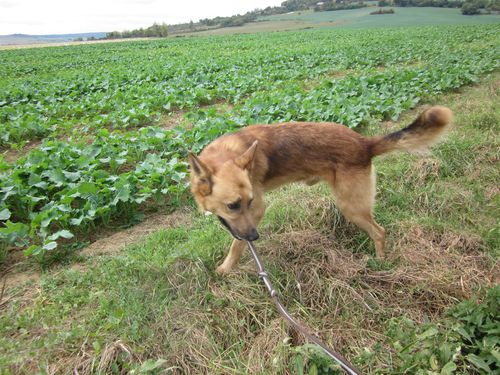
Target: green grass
column 355, row 18
column 160, row 304
column 402, row 17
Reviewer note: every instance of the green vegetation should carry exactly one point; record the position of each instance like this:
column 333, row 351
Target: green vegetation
column 91, row 140
column 406, row 16
column 383, row 11
column 301, row 7
column 156, row 30
column 158, row 304
column 469, row 7
column 331, row 5
column 429, row 3
column 64, row 188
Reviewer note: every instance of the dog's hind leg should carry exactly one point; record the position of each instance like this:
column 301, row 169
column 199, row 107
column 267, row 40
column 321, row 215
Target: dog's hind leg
column 354, row 192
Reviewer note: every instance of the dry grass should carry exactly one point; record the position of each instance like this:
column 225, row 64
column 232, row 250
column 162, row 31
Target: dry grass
column 343, row 296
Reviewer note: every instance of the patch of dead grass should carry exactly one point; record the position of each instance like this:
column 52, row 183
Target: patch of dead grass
column 114, row 359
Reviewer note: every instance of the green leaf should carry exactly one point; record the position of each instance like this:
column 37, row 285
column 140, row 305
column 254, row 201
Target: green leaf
column 15, row 233
column 299, row 364
column 448, row 368
column 151, row 365
column 313, row 370
column 122, row 194
column 87, row 188
column 463, row 333
column 76, row 221
column 478, row 362
column 72, row 176
column 62, row 233
column 429, row 333
column 50, row 245
column 36, row 180
column 56, row 176
column 495, row 354
column 32, row 250
column 5, row 214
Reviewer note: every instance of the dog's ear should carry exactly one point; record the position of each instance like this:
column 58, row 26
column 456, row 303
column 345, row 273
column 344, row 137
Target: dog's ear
column 245, row 161
column 201, row 173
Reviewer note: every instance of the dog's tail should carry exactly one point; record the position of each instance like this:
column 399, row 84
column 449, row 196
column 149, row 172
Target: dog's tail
column 426, row 130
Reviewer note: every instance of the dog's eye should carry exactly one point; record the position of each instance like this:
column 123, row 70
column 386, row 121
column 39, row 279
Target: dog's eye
column 234, row 206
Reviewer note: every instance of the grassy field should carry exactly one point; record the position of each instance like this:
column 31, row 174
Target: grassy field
column 406, row 16
column 94, row 134
column 107, row 268
column 356, row 18
column 157, row 306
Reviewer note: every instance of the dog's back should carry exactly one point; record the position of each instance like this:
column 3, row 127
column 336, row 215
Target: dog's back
column 298, row 150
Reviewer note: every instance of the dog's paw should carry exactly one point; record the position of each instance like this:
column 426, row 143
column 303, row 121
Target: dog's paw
column 222, row 270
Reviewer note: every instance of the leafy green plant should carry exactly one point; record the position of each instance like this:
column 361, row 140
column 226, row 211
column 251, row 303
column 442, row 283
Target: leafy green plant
column 89, row 95
column 311, row 360
column 467, row 341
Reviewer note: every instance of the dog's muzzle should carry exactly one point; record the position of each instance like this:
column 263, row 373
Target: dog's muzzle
column 252, row 236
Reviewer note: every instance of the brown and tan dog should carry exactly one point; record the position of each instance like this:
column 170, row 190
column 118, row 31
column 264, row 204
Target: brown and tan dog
column 232, row 173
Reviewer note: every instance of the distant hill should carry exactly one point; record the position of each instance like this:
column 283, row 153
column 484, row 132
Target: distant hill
column 19, row 39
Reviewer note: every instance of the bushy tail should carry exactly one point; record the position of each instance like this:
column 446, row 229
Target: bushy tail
column 426, row 130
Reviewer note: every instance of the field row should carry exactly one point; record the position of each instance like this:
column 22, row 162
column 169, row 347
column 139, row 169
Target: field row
column 67, row 188
column 124, row 85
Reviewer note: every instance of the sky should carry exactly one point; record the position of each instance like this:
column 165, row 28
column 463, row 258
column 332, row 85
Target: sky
column 40, row 17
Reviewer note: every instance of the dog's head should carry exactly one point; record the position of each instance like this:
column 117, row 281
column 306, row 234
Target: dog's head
column 227, row 192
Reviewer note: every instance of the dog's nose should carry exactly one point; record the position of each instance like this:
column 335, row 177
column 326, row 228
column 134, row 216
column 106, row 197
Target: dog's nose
column 253, row 235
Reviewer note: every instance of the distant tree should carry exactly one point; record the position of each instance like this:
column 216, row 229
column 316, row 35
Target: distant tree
column 293, row 5
column 470, row 8
column 493, row 6
column 383, row 11
column 156, row 30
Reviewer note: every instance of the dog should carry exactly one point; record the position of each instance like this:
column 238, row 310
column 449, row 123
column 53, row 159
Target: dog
column 231, row 175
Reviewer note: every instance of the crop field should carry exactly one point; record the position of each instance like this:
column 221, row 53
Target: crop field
column 94, row 139
column 403, row 16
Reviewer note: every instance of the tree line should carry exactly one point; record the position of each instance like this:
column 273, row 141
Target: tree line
column 162, row 30
column 156, row 30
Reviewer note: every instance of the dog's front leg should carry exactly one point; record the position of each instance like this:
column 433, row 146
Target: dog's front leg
column 232, row 258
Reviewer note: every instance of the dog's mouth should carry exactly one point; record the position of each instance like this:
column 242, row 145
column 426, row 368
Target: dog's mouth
column 224, row 222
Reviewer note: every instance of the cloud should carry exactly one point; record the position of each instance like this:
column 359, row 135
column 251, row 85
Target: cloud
column 7, row 4
column 67, row 16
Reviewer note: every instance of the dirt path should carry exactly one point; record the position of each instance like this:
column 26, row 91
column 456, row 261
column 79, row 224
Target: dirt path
column 115, row 242
column 16, row 280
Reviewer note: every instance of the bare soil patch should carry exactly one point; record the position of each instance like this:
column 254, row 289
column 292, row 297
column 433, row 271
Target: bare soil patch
column 11, row 155
column 14, row 279
column 115, row 242
column 70, row 43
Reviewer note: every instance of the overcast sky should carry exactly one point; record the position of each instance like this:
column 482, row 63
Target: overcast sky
column 70, row 16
